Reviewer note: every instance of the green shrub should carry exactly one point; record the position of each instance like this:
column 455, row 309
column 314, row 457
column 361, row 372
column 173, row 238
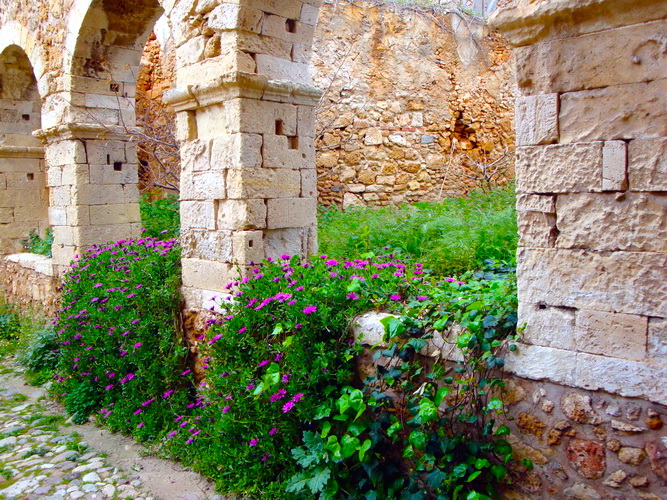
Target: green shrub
column 36, row 244
column 160, row 217
column 453, row 236
column 10, row 321
column 120, row 342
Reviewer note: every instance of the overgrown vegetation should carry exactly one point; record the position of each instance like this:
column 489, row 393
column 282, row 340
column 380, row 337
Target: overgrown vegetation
column 36, row 244
column 452, row 236
column 160, row 217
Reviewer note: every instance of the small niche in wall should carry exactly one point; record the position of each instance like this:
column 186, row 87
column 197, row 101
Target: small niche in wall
column 30, row 177
column 280, row 127
column 118, row 166
column 290, row 26
column 293, row 142
column 26, row 118
column 114, row 87
column 250, row 243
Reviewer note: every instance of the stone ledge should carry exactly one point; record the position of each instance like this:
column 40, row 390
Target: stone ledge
column 36, row 262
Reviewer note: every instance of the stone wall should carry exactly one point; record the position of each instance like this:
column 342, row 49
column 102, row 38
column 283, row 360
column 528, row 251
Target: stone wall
column 28, row 280
column 416, row 101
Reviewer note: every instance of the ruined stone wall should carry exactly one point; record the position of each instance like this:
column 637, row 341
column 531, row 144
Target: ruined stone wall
column 28, row 281
column 416, row 102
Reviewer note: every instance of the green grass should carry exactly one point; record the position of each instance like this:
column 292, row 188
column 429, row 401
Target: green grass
column 455, row 235
column 160, row 218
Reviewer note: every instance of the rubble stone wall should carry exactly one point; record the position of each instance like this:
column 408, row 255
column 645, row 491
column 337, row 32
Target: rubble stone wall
column 28, row 280
column 416, row 101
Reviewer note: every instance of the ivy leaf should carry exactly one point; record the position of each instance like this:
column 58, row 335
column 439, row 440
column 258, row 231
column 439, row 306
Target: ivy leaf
column 297, row 482
column 503, row 430
column 499, row 472
column 441, row 395
column 363, row 449
column 417, row 344
column 418, row 439
column 435, row 478
column 319, row 479
column 427, row 410
column 393, row 327
column 326, row 427
column 463, row 340
column 349, row 445
column 322, row 412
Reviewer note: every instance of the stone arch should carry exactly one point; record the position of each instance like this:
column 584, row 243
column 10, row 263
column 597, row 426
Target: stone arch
column 23, row 195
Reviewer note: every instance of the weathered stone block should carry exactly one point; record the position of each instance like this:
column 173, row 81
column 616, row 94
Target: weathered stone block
column 614, row 164
column 6, row 215
column 206, row 245
column 279, row 151
column 620, row 336
column 85, row 236
column 647, row 164
column 657, row 339
column 105, row 152
column 196, row 156
column 93, row 194
column 537, row 229
column 206, row 274
column 236, row 151
column 231, row 16
column 186, row 126
column 242, row 214
column 263, row 183
column 59, row 196
column 127, row 173
column 309, row 14
column 536, row 120
column 536, row 203
column 248, row 246
column 305, row 121
column 198, row 214
column 290, row 241
column 571, row 168
column 30, row 214
column 115, row 214
column 278, row 7
column 291, row 212
column 260, row 44
column 547, row 326
column 57, row 216
column 611, row 57
column 208, row 185
column 638, row 110
column 65, row 153
column 309, row 183
column 629, row 221
column 540, row 363
column 282, row 69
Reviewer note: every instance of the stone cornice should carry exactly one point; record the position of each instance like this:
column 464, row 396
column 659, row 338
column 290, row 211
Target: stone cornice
column 528, row 24
column 84, row 131
column 239, row 84
column 21, row 152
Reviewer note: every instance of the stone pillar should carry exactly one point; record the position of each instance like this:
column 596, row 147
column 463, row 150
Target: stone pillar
column 248, row 181
column 591, row 170
column 93, row 195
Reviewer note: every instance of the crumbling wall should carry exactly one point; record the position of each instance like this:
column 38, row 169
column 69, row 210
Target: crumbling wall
column 417, row 104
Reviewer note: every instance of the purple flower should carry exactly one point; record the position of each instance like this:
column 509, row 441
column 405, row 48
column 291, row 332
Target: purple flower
column 141, row 424
column 264, row 363
column 395, row 296
column 288, row 406
column 250, row 387
column 285, row 378
column 137, row 345
column 278, row 395
column 225, row 409
column 331, row 262
column 422, row 297
column 298, row 397
column 310, row 309
column 352, row 296
column 253, row 442
column 168, row 393
column 273, row 431
column 108, row 387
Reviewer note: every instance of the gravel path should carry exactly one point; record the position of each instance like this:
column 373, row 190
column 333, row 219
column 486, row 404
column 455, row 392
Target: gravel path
column 43, row 457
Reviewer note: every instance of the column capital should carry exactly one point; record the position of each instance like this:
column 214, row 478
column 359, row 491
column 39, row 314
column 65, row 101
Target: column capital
column 85, row 131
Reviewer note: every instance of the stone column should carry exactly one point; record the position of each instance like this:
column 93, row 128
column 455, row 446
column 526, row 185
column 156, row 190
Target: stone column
column 93, row 195
column 591, row 169
column 248, row 181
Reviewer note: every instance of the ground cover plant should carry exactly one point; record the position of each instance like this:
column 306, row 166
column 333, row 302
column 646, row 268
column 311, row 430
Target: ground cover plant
column 36, row 244
column 455, row 235
column 160, row 217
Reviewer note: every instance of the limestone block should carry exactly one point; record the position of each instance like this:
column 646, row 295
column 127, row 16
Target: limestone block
column 537, row 229
column 547, row 326
column 65, row 153
column 186, row 126
column 611, row 57
column 621, row 376
column 290, row 10
column 207, row 70
column 536, row 203
column 78, row 215
column 208, row 185
column 373, row 137
column 570, row 168
column 198, row 214
column 127, row 173
column 130, row 193
column 302, row 53
column 44, row 266
column 236, row 151
column 536, row 120
column 629, row 221
column 263, row 183
column 259, row 44
column 6, row 215
column 279, row 151
column 368, row 330
column 92, row 194
column 231, row 16
column 62, row 254
column 206, row 274
column 540, row 363
column 282, row 69
column 291, row 212
column 351, row 200
column 312, row 243
column 309, row 14
column 115, row 214
column 657, row 339
column 20, row 181
column 614, row 164
column 85, row 236
column 309, row 183
column 290, row 241
column 3, row 181
column 57, row 216
column 59, row 196
column 611, row 334
column 637, row 110
column 191, row 51
column 215, row 246
column 30, row 214
column 63, row 235
column 195, row 155
column 289, row 30
column 305, row 121
column 248, row 247
column 105, row 152
column 121, row 103
column 647, row 164
column 242, row 214
column 628, row 282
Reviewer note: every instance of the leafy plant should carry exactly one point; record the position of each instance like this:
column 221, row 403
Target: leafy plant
column 36, row 244
column 160, row 217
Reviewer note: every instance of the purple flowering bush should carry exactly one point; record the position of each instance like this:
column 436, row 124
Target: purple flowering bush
column 281, row 349
column 121, row 349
